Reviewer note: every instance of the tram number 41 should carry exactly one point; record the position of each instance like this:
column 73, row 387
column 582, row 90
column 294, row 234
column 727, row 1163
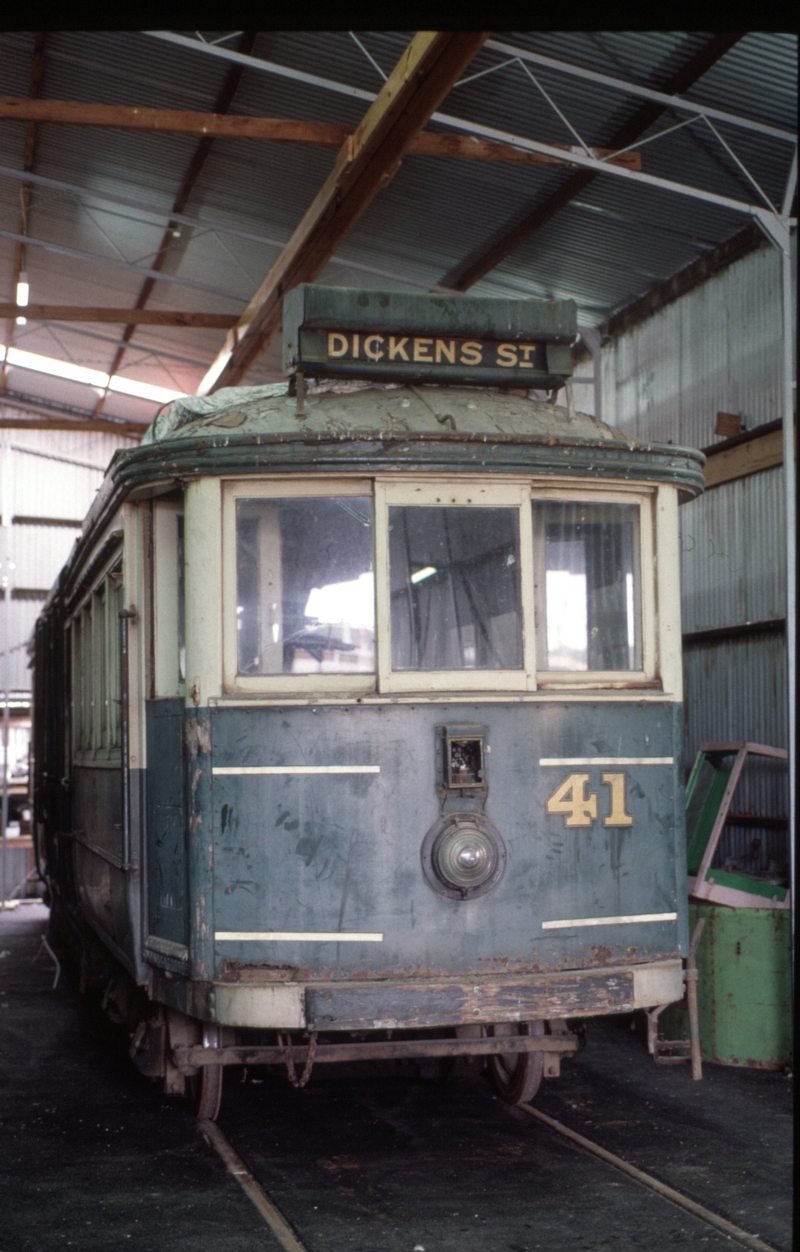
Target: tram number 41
column 579, row 808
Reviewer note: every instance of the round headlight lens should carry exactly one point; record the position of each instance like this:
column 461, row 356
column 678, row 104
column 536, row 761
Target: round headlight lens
column 464, row 856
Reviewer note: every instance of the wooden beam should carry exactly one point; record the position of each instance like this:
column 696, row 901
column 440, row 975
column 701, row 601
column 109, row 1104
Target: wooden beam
column 509, row 238
column 758, row 449
column 18, row 264
column 273, row 130
column 470, row 148
column 141, row 317
column 137, row 429
column 54, row 417
column 190, row 177
column 367, row 161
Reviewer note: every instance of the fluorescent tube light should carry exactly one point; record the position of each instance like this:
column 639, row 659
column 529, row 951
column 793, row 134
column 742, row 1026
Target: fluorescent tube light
column 423, row 573
column 82, row 374
column 23, row 291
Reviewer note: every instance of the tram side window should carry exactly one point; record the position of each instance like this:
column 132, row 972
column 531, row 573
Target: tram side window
column 587, row 582
column 305, row 585
column 181, row 555
column 96, row 711
column 455, row 588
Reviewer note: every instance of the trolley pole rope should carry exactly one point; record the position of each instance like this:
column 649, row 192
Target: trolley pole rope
column 668, row 1193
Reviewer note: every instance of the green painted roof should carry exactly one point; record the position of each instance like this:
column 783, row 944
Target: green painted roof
column 354, row 410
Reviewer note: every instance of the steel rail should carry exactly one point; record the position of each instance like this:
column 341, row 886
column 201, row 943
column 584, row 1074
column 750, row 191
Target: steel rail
column 290, row 1242
column 254, row 1192
column 743, row 1237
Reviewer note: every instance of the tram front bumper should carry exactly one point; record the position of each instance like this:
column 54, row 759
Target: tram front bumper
column 424, row 1003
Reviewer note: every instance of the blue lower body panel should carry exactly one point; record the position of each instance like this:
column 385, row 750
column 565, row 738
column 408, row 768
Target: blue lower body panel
column 318, row 817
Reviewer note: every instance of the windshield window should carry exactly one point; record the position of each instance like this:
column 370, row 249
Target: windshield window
column 305, row 586
column 587, row 585
column 455, row 588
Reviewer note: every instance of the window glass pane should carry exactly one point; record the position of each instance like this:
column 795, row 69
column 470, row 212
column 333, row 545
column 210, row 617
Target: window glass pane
column 587, row 586
column 114, row 698
column 454, row 575
column 78, row 712
column 305, row 586
column 181, row 553
column 97, row 660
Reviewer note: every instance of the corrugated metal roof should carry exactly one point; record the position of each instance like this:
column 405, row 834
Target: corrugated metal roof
column 604, row 249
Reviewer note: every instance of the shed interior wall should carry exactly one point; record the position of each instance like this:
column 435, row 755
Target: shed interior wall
column 718, row 348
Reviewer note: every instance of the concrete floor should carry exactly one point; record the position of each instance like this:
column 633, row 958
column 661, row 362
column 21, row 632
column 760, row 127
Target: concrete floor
column 93, row 1157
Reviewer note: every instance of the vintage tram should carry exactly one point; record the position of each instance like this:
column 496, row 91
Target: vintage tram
column 358, row 707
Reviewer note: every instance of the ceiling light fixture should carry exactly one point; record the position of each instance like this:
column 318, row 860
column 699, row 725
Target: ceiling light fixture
column 23, row 291
column 82, row 374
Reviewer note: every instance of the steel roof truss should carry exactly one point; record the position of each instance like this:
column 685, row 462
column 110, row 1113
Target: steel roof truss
column 200, row 225
column 521, row 54
column 646, row 93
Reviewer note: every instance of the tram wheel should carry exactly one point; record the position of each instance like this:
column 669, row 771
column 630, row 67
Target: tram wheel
column 204, row 1092
column 516, row 1075
column 204, row 1089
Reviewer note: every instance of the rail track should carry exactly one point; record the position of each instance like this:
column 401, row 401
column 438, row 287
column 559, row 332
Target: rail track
column 289, row 1240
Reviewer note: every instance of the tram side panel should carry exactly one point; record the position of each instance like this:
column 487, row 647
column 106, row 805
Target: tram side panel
column 166, row 858
column 319, row 818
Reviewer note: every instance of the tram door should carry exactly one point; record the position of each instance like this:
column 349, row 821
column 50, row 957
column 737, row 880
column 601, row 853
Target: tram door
column 166, row 836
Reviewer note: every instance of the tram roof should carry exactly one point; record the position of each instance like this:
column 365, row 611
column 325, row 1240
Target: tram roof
column 356, row 410
column 374, row 427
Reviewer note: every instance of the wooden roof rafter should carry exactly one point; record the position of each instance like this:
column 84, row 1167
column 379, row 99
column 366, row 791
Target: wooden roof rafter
column 18, row 263
column 367, row 161
column 190, row 177
column 275, row 130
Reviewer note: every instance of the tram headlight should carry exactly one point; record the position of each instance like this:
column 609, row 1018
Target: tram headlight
column 463, row 855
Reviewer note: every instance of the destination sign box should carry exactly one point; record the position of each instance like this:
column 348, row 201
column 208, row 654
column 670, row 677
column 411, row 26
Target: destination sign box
column 341, row 332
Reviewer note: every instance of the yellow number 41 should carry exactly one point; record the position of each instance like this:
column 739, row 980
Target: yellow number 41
column 580, row 809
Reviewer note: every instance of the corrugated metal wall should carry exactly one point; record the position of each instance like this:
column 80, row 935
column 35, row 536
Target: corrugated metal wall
column 719, row 348
column 733, row 553
column 43, row 475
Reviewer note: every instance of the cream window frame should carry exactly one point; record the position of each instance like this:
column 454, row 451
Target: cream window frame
column 386, row 490
column 95, row 735
column 277, row 489
column 614, row 494
column 462, row 493
column 167, row 681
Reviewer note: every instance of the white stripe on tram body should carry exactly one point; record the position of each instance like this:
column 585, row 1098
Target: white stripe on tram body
column 296, row 769
column 606, row 760
column 630, row 919
column 298, row 936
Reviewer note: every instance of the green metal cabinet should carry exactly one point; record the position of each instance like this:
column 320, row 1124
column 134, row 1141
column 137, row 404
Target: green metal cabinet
column 744, row 987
